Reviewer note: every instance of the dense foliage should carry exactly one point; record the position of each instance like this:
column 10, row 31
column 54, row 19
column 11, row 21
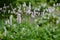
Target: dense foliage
column 7, row 2
column 44, row 24
column 44, row 28
column 32, row 1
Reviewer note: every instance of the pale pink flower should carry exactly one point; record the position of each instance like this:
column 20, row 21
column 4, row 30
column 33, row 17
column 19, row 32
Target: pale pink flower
column 24, row 5
column 9, row 11
column 28, row 11
column 32, row 15
column 10, row 21
column 19, row 7
column 18, row 18
column 5, row 31
column 43, row 5
column 0, row 8
column 29, row 5
column 4, row 7
column 19, row 10
column 51, row 9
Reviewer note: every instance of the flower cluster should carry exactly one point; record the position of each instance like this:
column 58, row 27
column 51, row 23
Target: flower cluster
column 29, row 10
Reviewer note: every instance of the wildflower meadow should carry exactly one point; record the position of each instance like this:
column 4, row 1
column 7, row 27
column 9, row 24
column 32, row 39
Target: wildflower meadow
column 29, row 19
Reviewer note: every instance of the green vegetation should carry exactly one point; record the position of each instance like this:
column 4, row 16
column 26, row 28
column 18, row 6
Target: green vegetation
column 42, row 26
